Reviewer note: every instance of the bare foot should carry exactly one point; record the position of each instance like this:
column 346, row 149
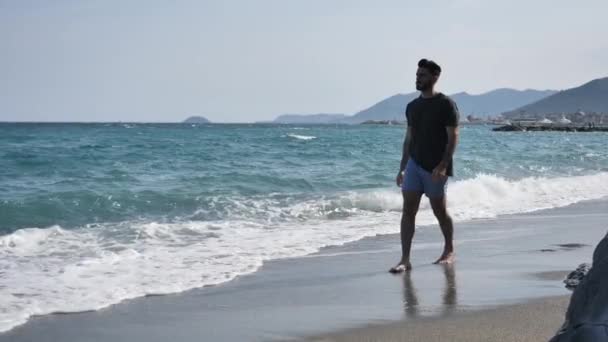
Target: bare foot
column 401, row 267
column 445, row 258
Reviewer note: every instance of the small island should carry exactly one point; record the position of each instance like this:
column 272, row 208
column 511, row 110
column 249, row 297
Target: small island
column 196, row 120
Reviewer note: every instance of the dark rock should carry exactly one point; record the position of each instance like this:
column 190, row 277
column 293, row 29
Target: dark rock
column 587, row 315
column 574, row 278
column 508, row 128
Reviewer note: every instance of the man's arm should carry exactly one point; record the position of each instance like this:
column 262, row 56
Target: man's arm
column 405, row 156
column 453, row 136
column 451, row 127
column 440, row 170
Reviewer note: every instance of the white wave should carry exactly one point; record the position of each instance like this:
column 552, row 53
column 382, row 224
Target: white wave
column 57, row 270
column 301, row 137
column 489, row 195
column 94, row 267
column 485, row 196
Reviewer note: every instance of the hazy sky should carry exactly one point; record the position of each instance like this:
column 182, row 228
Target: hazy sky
column 242, row 61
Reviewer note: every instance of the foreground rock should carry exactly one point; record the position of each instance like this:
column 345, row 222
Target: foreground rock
column 587, row 315
column 576, row 276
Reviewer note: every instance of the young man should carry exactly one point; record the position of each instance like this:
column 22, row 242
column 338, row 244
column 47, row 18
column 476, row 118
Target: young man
column 426, row 164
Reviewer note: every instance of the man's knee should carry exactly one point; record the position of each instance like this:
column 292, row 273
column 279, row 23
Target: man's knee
column 409, row 212
column 411, row 202
column 443, row 216
column 439, row 209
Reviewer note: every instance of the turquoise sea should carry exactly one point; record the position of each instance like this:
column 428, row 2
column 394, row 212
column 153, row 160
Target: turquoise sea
column 93, row 214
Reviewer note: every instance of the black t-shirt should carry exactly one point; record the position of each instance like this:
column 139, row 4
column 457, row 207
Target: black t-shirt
column 428, row 118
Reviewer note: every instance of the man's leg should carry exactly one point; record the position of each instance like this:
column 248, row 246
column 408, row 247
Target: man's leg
column 447, row 228
column 411, row 202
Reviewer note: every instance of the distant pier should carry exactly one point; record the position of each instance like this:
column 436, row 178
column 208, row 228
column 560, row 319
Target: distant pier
column 518, row 127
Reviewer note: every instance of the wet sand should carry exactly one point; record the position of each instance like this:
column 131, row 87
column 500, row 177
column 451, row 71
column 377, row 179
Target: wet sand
column 534, row 321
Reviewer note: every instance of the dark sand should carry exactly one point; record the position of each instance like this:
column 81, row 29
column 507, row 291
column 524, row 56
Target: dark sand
column 534, row 321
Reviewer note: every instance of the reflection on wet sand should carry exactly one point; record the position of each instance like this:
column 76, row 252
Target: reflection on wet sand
column 449, row 296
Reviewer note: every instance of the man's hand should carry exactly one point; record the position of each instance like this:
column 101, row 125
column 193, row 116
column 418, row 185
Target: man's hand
column 399, row 179
column 440, row 172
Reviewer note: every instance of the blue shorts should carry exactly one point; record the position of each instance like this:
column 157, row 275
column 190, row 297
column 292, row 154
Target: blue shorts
column 420, row 180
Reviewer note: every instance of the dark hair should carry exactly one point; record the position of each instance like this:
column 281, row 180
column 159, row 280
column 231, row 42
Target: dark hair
column 431, row 66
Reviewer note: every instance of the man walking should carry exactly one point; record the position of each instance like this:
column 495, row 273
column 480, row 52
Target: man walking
column 426, row 163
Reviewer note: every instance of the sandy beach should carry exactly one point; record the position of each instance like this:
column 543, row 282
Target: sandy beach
column 505, row 265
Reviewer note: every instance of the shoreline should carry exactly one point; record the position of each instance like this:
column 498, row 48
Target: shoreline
column 502, row 261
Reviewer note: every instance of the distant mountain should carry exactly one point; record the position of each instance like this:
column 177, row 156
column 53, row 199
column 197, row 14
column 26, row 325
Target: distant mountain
column 392, row 108
column 487, row 104
column 497, row 101
column 196, row 119
column 482, row 105
column 309, row 119
column 590, row 97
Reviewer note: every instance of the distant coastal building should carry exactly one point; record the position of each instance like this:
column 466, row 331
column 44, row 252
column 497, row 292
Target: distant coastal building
column 564, row 121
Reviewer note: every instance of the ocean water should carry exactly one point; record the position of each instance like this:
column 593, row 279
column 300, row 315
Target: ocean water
column 93, row 214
